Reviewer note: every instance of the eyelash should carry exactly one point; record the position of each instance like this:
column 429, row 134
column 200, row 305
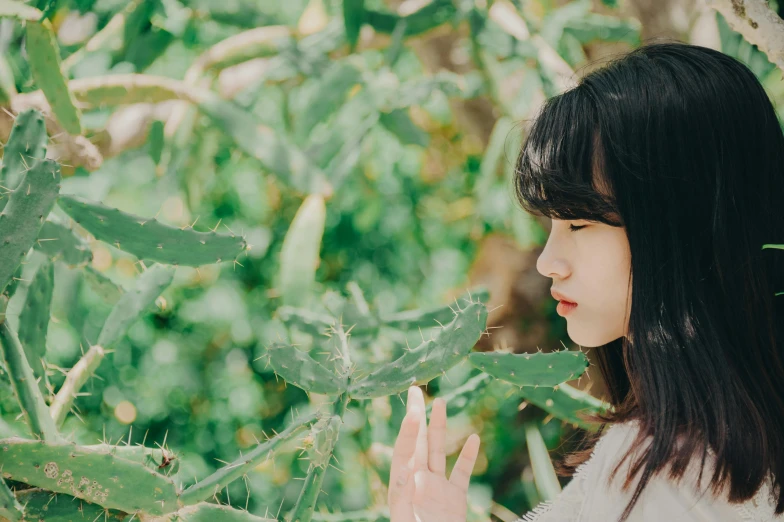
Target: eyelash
column 575, row 227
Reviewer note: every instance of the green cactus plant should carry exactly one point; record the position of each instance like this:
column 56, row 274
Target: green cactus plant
column 329, row 115
column 112, row 480
column 151, row 239
column 34, row 320
column 120, row 482
column 60, row 242
column 26, row 146
column 531, row 369
column 44, row 55
column 25, row 213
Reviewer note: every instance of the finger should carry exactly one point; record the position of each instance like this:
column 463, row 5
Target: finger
column 436, row 437
column 401, row 467
column 402, row 508
column 417, row 400
column 461, row 473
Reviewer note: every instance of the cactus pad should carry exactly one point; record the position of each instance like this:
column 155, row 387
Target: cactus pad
column 429, row 359
column 44, row 57
column 58, row 507
column 34, row 318
column 25, row 387
column 25, row 213
column 95, row 476
column 26, row 146
column 151, row 283
column 150, row 239
column 531, row 369
column 565, row 402
column 59, row 241
column 300, row 369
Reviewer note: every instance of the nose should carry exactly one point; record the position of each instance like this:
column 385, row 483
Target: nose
column 551, row 262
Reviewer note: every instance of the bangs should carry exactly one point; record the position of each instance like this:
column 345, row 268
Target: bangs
column 558, row 173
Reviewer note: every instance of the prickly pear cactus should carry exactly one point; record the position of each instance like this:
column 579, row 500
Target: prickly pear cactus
column 121, row 482
column 110, row 481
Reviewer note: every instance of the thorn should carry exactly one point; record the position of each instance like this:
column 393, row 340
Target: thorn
column 230, row 230
column 9, row 113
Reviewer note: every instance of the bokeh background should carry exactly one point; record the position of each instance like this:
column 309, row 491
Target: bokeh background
column 405, row 118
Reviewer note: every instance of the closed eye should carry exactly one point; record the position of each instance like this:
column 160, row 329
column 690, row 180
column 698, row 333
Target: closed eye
column 575, row 227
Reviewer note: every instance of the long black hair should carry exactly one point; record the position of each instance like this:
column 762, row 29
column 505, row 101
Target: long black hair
column 680, row 145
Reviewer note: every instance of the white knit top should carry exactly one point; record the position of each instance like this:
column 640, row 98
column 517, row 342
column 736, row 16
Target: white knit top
column 589, row 496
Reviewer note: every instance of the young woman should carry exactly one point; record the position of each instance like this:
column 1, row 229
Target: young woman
column 663, row 174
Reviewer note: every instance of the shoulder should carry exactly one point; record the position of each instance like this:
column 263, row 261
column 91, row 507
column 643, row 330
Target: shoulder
column 687, row 499
column 613, row 444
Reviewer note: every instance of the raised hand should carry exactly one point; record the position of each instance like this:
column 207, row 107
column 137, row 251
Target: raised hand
column 418, row 488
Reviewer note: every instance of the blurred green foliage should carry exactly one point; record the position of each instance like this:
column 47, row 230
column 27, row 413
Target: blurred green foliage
column 285, row 102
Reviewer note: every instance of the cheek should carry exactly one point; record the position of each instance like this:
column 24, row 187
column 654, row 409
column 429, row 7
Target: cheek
column 607, row 274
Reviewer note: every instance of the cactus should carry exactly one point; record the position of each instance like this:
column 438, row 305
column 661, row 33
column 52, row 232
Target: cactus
column 319, row 445
column 460, row 397
column 318, row 324
column 60, row 242
column 531, row 369
column 25, row 388
column 34, row 320
column 44, row 57
column 207, row 487
column 322, row 439
column 7, row 84
column 122, row 482
column 106, row 289
column 113, row 480
column 25, row 213
column 415, row 319
column 300, row 369
column 150, row 239
column 302, row 319
column 333, row 89
column 429, row 359
column 205, row 512
column 121, row 479
column 432, row 15
column 565, row 402
column 96, row 476
column 10, row 289
column 254, row 43
column 124, row 313
column 40, row 504
column 9, row 505
column 44, row 505
column 102, row 38
column 159, row 460
column 299, row 255
column 129, row 308
column 26, row 146
column 274, row 152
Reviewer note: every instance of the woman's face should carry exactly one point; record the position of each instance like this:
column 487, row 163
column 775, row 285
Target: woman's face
column 590, row 266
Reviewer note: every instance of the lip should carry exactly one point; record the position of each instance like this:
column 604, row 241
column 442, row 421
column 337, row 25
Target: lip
column 560, row 297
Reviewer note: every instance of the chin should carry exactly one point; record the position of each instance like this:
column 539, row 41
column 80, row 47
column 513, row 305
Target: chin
column 587, row 339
